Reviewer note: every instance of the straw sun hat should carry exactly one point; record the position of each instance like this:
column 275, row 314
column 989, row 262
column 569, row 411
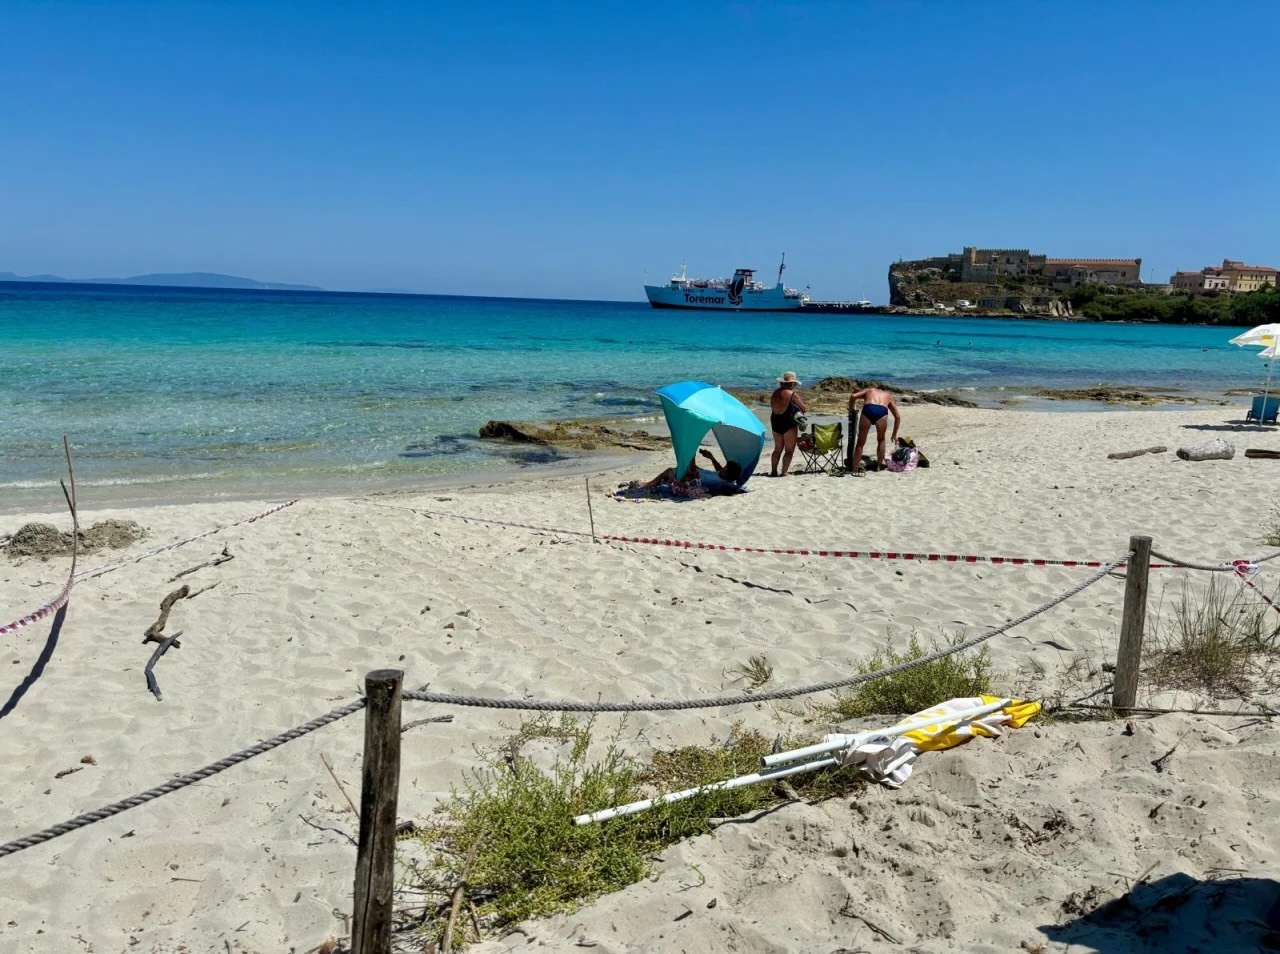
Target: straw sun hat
column 789, row 377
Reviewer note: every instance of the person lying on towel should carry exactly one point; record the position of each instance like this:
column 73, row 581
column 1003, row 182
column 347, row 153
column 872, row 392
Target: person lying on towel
column 691, row 484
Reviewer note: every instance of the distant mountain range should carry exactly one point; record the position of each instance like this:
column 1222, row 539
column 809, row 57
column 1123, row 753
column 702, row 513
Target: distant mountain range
column 175, row 279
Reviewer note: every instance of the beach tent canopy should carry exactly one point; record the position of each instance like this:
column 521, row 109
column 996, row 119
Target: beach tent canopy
column 693, row 408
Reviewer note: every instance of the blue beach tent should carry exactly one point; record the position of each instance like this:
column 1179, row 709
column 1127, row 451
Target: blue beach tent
column 693, row 408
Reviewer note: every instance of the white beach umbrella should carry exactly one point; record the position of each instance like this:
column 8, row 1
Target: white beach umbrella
column 1268, row 355
column 1266, row 336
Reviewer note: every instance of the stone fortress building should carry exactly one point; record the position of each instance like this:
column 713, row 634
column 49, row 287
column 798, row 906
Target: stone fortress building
column 989, row 265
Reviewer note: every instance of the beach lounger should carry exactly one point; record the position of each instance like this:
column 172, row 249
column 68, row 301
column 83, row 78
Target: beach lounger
column 822, row 448
column 1261, row 414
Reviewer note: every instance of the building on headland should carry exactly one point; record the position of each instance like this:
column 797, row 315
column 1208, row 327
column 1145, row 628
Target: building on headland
column 1230, row 276
column 988, row 265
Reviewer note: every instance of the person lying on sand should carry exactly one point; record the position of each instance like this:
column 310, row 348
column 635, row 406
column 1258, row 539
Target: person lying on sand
column 877, row 405
column 691, row 484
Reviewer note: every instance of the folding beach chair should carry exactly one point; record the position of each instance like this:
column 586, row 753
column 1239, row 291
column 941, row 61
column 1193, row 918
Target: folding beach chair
column 822, row 448
column 1263, row 410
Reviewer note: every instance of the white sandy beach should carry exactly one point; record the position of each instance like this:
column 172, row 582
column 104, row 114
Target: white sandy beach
column 959, row 860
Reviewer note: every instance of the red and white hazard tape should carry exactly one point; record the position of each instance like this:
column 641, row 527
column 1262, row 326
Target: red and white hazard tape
column 788, row 551
column 60, row 600
column 154, row 551
column 859, row 554
column 35, row 616
column 1245, row 572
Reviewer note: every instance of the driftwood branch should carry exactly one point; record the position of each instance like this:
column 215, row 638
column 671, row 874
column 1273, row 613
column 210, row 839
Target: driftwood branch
column 1257, row 453
column 1218, row 449
column 319, row 827
column 1124, row 455
column 155, row 657
column 154, row 633
column 848, row 912
column 409, row 725
column 459, row 892
column 334, row 775
column 216, row 561
column 192, row 596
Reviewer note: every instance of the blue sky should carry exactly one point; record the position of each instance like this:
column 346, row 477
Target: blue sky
column 563, row 149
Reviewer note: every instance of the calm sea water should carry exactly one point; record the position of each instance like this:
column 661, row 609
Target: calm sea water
column 185, row 392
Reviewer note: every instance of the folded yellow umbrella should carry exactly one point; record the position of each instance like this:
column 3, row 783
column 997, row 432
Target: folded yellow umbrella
column 946, row 732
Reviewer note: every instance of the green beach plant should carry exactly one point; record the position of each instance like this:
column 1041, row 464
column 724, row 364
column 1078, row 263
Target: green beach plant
column 957, row 676
column 756, row 671
column 508, row 833
column 1218, row 639
column 1271, row 530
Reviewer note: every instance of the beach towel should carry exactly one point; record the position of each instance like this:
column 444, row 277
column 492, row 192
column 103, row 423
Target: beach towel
column 708, row 484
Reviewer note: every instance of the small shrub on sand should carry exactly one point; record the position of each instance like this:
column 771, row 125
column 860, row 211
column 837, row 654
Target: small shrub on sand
column 514, row 822
column 1216, row 640
column 1271, row 530
column 964, row 674
column 756, row 671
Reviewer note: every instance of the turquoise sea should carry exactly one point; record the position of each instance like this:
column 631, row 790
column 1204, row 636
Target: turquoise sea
column 170, row 392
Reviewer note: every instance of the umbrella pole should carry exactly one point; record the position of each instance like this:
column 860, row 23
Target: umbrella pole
column 1266, row 389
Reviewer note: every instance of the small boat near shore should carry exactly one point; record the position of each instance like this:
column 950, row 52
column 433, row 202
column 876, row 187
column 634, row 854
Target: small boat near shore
column 739, row 293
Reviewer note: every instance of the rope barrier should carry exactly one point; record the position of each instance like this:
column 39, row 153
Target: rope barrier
column 178, row 782
column 190, row 778
column 746, row 698
column 1224, row 567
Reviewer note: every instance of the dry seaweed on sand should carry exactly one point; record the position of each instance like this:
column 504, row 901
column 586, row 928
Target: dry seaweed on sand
column 46, row 540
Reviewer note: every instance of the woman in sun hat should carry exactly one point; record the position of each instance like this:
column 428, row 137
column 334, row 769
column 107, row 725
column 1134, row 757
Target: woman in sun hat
column 784, row 404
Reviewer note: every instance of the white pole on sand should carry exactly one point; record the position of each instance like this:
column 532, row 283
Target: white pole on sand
column 902, row 728
column 782, row 764
column 763, row 775
column 1266, row 389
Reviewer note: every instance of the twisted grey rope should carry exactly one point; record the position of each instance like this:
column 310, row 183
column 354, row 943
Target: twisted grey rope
column 1211, row 567
column 745, row 698
column 657, row 705
column 178, row 782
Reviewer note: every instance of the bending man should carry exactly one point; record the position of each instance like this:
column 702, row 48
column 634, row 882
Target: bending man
column 877, row 405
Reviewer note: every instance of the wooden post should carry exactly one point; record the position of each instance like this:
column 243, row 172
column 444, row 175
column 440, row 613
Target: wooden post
column 591, row 515
column 379, row 788
column 1132, row 623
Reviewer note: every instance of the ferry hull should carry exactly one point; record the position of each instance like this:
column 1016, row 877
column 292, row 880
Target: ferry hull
column 712, row 299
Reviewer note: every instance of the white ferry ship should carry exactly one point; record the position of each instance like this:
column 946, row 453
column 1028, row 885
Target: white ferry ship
column 739, row 293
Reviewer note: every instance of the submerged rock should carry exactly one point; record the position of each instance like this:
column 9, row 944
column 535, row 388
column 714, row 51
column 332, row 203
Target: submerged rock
column 577, row 434
column 1114, row 394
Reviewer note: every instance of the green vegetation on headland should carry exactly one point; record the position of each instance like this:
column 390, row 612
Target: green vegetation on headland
column 1103, row 303
column 921, row 286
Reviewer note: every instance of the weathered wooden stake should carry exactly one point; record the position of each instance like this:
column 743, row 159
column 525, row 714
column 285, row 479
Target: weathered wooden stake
column 591, row 515
column 379, row 788
column 1132, row 623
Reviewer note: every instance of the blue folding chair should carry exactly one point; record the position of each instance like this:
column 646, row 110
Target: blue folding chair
column 1264, row 410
